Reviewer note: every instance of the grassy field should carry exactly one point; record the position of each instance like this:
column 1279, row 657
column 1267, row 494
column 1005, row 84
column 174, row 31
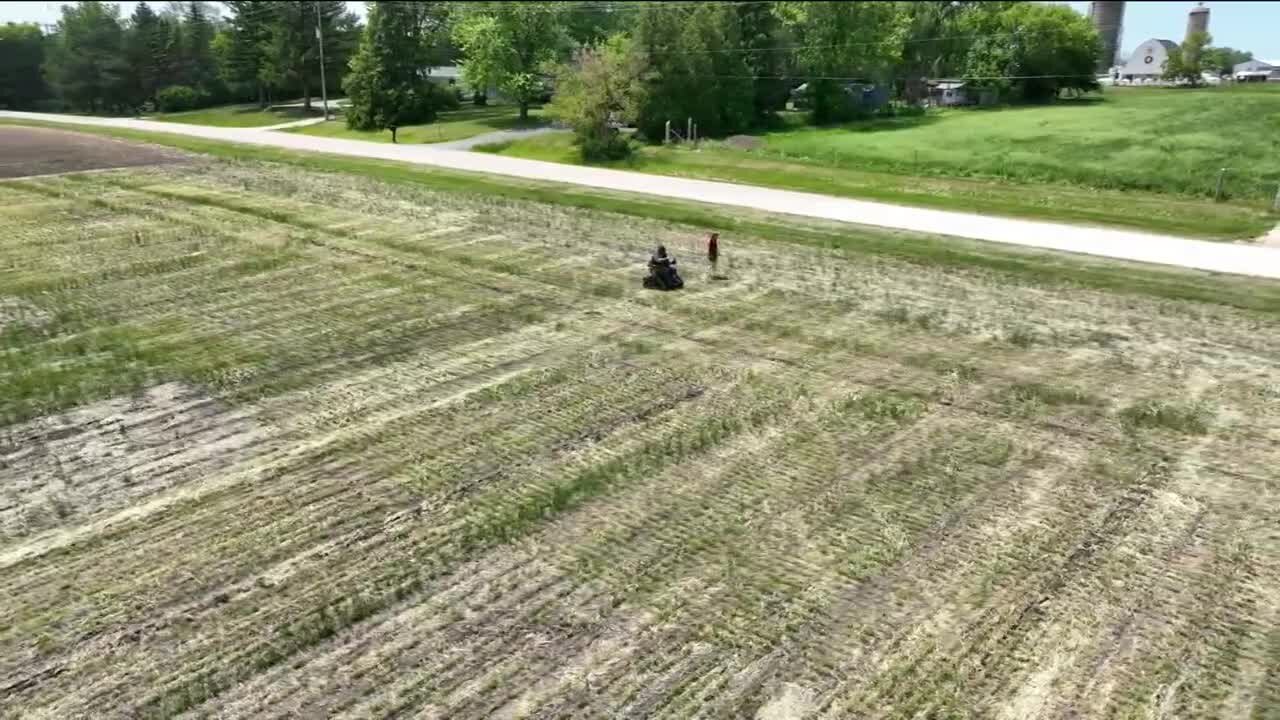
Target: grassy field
column 1140, row 158
column 288, row 443
column 466, row 122
column 240, row 116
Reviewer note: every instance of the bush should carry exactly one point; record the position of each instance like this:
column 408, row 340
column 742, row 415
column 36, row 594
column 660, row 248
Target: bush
column 610, row 145
column 177, row 98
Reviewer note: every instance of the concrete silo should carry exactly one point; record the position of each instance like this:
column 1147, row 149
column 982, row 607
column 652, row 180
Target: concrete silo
column 1197, row 20
column 1108, row 20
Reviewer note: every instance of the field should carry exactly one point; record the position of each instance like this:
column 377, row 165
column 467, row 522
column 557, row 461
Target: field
column 466, row 122
column 1141, row 158
column 241, row 115
column 279, row 442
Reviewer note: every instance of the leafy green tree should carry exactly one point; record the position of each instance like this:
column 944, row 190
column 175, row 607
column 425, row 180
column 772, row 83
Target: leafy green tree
column 387, row 85
column 842, row 42
column 591, row 22
column 1032, row 50
column 1185, row 61
column 935, row 44
column 697, row 70
column 510, row 46
column 762, row 40
column 597, row 92
column 21, row 76
column 1223, row 60
column 87, row 62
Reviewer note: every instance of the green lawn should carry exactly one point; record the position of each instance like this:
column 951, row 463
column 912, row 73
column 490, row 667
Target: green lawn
column 460, row 124
column 240, row 116
column 1140, row 158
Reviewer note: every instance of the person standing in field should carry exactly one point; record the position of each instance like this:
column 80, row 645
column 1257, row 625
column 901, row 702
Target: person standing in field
column 713, row 251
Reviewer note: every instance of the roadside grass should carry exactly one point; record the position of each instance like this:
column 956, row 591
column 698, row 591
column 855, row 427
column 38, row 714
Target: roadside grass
column 1015, row 197
column 1044, row 268
column 459, row 124
column 1171, row 141
column 239, row 116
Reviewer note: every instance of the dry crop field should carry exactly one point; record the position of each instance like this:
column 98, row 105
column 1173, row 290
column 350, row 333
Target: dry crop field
column 283, row 443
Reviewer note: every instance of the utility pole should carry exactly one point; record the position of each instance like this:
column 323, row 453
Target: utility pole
column 324, row 87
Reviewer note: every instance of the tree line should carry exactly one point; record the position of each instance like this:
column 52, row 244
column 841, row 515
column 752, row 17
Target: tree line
column 181, row 56
column 724, row 66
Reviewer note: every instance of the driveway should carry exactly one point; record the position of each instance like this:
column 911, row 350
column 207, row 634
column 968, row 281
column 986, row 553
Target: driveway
column 497, row 136
column 1254, row 260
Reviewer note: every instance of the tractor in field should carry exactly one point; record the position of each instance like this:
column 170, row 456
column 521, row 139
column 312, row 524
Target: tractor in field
column 662, row 271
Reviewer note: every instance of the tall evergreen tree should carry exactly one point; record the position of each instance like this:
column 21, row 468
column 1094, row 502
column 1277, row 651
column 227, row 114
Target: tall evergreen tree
column 387, row 86
column 196, row 47
column 21, row 76
column 250, row 38
column 87, row 62
column 139, row 48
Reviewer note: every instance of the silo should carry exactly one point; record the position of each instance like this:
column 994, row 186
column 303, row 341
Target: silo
column 1108, row 19
column 1197, row 20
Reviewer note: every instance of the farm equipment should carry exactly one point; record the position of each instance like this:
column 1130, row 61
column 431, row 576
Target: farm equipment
column 662, row 272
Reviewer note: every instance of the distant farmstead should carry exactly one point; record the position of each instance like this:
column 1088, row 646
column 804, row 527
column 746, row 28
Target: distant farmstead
column 1257, row 71
column 1147, row 63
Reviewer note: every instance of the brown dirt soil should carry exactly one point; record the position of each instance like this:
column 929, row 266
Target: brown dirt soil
column 39, row 151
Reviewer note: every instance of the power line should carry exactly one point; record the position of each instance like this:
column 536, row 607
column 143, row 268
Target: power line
column 846, row 45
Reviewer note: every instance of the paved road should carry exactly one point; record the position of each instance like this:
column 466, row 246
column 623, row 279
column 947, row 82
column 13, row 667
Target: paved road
column 1255, row 260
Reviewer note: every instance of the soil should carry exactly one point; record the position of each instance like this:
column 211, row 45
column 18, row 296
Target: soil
column 28, row 151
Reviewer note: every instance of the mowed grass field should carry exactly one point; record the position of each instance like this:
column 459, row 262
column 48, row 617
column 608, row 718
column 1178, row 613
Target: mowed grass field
column 1137, row 157
column 459, row 124
column 240, row 116
column 278, row 442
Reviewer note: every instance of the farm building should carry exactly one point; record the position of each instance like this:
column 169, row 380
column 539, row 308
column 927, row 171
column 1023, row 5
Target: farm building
column 1147, row 63
column 946, row 93
column 1257, row 71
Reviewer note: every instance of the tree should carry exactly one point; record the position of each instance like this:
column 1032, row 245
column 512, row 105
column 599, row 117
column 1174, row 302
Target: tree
column 1223, row 60
column 1033, row 50
column 762, row 38
column 600, row 89
column 935, row 44
column 249, row 38
column 140, row 43
column 21, row 76
column 1184, row 63
column 387, row 85
column 590, row 23
column 509, row 45
column 697, row 70
column 199, row 69
column 844, row 42
column 87, row 60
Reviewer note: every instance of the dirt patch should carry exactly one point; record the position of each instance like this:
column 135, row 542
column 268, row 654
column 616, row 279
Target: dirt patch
column 744, row 142
column 16, row 311
column 41, row 151
column 65, row 468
